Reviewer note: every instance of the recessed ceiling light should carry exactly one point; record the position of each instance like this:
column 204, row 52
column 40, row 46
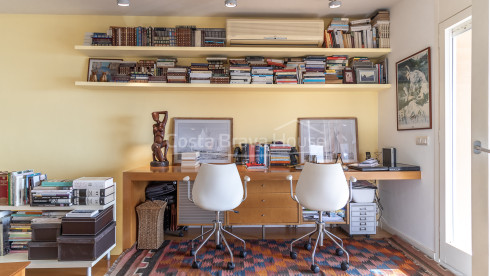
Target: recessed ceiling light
column 334, row 4
column 123, row 3
column 230, row 3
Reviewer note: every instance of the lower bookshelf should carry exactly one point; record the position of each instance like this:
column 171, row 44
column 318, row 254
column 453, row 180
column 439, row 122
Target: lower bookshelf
column 22, row 257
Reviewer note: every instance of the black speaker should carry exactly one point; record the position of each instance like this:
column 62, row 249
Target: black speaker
column 389, row 157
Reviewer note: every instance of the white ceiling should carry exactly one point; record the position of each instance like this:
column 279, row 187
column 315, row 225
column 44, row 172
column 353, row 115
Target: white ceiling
column 245, row 8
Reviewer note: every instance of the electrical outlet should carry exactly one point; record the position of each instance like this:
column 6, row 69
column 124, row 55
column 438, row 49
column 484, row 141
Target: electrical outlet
column 422, row 140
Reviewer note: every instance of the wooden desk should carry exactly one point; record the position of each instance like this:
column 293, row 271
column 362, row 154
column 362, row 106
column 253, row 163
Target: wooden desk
column 135, row 181
column 14, row 269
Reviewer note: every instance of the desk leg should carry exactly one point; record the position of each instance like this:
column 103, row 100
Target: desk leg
column 263, row 232
column 89, row 271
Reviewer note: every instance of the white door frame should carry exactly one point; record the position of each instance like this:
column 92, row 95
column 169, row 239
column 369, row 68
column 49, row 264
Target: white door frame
column 444, row 81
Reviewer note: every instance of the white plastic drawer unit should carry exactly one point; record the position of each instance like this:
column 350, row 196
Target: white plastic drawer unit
column 362, row 219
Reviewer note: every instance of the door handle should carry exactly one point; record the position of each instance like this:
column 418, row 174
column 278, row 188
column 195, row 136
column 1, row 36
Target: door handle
column 477, row 148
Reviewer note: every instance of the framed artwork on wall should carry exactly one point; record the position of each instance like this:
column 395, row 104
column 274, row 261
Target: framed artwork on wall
column 325, row 137
column 413, row 92
column 211, row 137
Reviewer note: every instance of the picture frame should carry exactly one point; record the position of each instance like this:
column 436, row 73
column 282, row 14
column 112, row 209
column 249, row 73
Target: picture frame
column 212, row 137
column 348, row 76
column 367, row 75
column 325, row 137
column 413, row 91
column 99, row 66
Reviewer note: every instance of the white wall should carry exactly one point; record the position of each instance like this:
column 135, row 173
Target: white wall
column 410, row 206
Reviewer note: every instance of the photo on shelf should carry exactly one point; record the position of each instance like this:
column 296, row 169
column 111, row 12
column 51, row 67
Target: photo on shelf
column 211, row 137
column 348, row 76
column 367, row 75
column 102, row 70
column 325, row 137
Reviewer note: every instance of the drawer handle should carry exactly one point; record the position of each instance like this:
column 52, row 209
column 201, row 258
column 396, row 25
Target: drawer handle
column 263, row 200
column 362, row 209
column 363, row 223
column 362, row 218
column 262, row 185
column 263, row 215
column 363, row 213
column 363, row 228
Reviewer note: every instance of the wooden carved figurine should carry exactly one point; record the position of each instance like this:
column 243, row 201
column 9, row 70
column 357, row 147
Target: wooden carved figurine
column 103, row 78
column 159, row 157
column 93, row 77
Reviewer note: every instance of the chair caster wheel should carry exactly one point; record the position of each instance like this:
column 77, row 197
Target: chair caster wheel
column 344, row 266
column 308, row 246
column 193, row 252
column 220, row 246
column 230, row 266
column 181, row 234
column 243, row 254
column 196, row 264
column 315, row 268
column 293, row 255
column 339, row 251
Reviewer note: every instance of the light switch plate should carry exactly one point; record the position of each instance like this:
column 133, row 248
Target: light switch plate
column 422, row 140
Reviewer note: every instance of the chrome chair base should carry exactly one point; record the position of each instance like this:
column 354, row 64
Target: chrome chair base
column 321, row 230
column 219, row 231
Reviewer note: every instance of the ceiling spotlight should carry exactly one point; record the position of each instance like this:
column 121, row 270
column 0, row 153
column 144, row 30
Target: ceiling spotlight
column 230, row 3
column 334, row 4
column 123, row 3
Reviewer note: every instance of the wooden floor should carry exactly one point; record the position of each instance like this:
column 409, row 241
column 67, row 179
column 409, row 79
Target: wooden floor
column 244, row 232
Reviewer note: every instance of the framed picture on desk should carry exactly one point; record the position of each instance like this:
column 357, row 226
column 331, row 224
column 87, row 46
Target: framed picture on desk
column 325, row 137
column 211, row 137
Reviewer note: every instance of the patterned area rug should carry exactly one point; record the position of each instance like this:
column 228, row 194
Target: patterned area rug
column 268, row 257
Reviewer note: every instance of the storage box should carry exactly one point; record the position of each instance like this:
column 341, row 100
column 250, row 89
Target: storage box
column 42, row 250
column 150, row 224
column 86, row 248
column 45, row 229
column 87, row 226
column 363, row 195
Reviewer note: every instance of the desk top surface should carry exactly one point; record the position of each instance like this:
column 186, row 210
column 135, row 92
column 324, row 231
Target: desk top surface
column 178, row 173
column 13, row 268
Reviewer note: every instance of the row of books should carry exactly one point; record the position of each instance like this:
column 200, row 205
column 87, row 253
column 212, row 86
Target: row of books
column 184, row 36
column 372, row 32
column 30, row 188
column 263, row 156
column 251, row 69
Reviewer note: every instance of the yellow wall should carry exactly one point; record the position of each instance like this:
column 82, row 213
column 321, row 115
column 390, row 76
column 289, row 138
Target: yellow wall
column 52, row 126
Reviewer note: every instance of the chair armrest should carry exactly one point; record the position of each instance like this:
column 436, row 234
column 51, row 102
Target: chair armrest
column 187, row 178
column 245, row 180
column 293, row 196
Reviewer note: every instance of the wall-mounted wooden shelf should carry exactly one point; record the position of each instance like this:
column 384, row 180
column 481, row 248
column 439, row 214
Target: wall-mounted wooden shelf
column 193, row 52
column 215, row 87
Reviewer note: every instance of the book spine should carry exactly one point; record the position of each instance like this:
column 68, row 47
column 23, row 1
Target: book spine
column 4, row 188
column 93, row 192
column 84, row 184
column 93, row 200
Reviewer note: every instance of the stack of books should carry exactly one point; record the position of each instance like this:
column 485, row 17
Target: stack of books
column 360, row 62
column 213, row 37
column 280, row 155
column 336, row 33
column 335, row 67
column 262, row 75
column 94, row 191
column 256, row 156
column 239, row 71
column 161, row 66
column 142, row 71
column 220, row 73
column 315, row 70
column 200, row 73
column 177, row 75
column 4, row 232
column 381, row 26
column 361, row 33
column 51, row 196
column 190, row 159
column 15, row 187
column 20, row 230
column 286, row 76
column 100, row 39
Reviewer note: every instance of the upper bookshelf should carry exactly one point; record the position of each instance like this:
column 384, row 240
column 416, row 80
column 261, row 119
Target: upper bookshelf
column 200, row 52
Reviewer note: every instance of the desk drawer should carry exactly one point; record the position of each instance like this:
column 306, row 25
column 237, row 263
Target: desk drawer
column 353, row 219
column 362, row 230
column 363, row 208
column 269, row 200
column 264, row 216
column 276, row 186
column 363, row 213
column 362, row 223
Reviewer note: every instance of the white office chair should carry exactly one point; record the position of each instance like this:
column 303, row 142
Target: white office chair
column 217, row 188
column 321, row 187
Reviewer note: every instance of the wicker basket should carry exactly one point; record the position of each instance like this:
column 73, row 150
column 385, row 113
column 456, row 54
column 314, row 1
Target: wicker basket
column 150, row 224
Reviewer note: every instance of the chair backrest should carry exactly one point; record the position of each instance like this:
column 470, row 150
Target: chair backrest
column 217, row 187
column 322, row 187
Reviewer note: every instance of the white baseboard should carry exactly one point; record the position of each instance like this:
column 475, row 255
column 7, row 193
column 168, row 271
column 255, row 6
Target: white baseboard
column 427, row 251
